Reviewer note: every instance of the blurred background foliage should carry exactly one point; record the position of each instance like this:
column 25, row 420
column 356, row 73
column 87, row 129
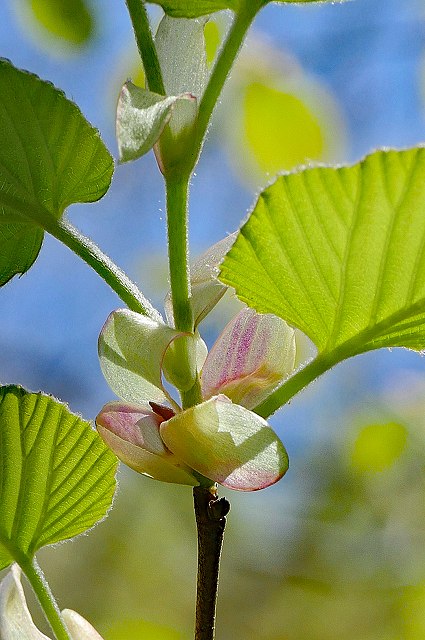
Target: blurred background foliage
column 337, row 549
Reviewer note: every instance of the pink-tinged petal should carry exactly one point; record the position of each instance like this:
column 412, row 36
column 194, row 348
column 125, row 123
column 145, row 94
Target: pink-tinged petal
column 131, row 351
column 207, row 290
column 78, row 627
column 227, row 443
column 251, row 357
column 133, row 424
column 133, row 435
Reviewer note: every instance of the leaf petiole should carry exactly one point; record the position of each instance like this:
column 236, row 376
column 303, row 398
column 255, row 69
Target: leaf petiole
column 91, row 254
column 45, row 597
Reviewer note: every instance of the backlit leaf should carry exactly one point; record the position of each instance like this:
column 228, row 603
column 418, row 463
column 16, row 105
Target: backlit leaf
column 50, row 157
column 339, row 254
column 194, row 8
column 57, row 478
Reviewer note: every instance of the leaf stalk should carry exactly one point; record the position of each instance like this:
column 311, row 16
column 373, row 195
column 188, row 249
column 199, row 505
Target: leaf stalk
column 45, row 597
column 102, row 264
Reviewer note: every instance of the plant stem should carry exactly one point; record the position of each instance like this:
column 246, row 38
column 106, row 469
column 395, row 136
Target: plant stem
column 178, row 252
column 146, row 45
column 102, row 264
column 210, row 513
column 47, row 601
column 222, row 67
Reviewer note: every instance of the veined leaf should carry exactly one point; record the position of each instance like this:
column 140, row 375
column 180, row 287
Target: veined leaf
column 194, row 8
column 50, row 157
column 57, row 478
column 339, row 253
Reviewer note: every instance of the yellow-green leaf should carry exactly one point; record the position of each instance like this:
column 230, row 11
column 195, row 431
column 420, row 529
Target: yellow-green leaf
column 57, row 478
column 339, row 253
column 50, row 157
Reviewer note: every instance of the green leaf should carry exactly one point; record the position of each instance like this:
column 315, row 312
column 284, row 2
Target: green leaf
column 68, row 20
column 194, row 8
column 339, row 254
column 50, row 157
column 57, row 478
column 141, row 118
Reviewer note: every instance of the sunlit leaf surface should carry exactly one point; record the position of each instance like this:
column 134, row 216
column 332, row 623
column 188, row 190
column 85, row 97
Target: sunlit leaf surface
column 339, row 254
column 57, row 478
column 50, row 157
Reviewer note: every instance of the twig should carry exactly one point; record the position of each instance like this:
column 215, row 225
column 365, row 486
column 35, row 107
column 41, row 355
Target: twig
column 210, row 513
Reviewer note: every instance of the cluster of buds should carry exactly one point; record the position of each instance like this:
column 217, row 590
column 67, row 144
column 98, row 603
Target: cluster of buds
column 220, row 439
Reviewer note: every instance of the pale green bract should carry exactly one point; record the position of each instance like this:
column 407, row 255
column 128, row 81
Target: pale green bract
column 339, row 253
column 50, row 157
column 57, row 478
column 141, row 118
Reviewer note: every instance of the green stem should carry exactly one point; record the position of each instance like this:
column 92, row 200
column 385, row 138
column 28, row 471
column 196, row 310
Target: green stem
column 223, row 65
column 47, row 601
column 177, row 188
column 295, row 383
column 146, row 45
column 102, row 264
column 178, row 251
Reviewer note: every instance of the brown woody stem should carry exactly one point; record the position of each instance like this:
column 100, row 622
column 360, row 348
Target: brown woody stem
column 210, row 514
